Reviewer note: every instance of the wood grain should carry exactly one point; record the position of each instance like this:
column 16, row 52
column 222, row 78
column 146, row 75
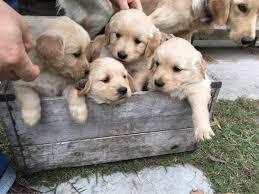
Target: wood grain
column 145, row 112
column 107, row 149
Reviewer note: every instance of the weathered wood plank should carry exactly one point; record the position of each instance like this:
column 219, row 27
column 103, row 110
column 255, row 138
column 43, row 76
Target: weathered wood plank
column 107, row 149
column 9, row 127
column 141, row 113
column 4, row 95
column 2, row 87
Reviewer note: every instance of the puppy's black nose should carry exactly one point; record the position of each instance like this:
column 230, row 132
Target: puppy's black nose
column 159, row 83
column 248, row 41
column 122, row 55
column 122, row 91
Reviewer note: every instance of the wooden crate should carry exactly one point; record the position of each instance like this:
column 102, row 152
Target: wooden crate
column 148, row 124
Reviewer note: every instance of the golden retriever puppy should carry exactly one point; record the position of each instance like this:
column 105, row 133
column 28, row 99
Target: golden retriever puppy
column 131, row 38
column 180, row 17
column 178, row 68
column 60, row 53
column 108, row 82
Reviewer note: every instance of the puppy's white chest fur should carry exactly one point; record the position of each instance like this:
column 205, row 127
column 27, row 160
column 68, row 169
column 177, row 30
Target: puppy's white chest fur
column 47, row 84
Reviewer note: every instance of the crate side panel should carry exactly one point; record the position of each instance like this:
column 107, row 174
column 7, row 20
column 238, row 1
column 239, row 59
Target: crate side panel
column 141, row 113
column 108, row 149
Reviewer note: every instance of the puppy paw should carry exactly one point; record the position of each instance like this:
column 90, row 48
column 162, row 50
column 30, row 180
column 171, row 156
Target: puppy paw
column 202, row 134
column 31, row 117
column 78, row 113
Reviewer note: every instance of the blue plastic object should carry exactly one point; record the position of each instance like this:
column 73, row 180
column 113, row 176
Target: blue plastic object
column 13, row 3
column 7, row 175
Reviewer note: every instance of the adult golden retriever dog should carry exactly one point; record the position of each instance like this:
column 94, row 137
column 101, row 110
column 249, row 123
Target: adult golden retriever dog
column 60, row 53
column 180, row 17
column 178, row 68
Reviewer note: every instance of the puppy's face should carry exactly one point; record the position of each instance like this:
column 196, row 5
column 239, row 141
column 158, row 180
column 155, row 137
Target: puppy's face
column 175, row 63
column 63, row 49
column 109, row 81
column 128, row 35
column 242, row 21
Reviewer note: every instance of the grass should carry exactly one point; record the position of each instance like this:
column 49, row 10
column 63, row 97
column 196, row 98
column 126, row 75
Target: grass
column 230, row 160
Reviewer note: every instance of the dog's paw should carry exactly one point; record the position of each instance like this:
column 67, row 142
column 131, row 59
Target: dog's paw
column 202, row 134
column 78, row 113
column 31, row 117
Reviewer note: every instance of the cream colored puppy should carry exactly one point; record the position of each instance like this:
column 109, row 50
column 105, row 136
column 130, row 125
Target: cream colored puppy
column 179, row 69
column 61, row 55
column 131, row 38
column 108, row 82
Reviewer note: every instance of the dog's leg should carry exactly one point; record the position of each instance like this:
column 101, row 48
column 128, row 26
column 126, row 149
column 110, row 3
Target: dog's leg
column 30, row 105
column 200, row 116
column 76, row 105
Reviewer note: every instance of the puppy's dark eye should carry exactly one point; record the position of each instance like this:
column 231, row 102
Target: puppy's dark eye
column 176, row 69
column 137, row 41
column 157, row 63
column 106, row 79
column 118, row 35
column 124, row 76
column 242, row 8
column 77, row 54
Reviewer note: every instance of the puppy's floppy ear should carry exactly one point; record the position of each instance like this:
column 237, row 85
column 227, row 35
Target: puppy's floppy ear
column 219, row 11
column 131, row 83
column 154, row 42
column 94, row 49
column 152, row 66
column 50, row 48
column 107, row 34
column 165, row 37
column 83, row 87
column 203, row 67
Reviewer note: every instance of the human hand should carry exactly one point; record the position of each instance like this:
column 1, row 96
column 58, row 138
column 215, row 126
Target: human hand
column 15, row 42
column 127, row 4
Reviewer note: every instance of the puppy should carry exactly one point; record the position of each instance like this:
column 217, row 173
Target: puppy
column 178, row 68
column 61, row 55
column 182, row 17
column 108, row 82
column 131, row 38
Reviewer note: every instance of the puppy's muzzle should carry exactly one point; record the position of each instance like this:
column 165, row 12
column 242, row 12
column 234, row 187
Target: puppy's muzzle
column 159, row 83
column 248, row 41
column 122, row 55
column 122, row 91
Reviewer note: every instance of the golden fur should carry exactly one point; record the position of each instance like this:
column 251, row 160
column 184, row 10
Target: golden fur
column 61, row 55
column 180, row 17
column 106, row 78
column 133, row 34
column 178, row 68
column 184, row 16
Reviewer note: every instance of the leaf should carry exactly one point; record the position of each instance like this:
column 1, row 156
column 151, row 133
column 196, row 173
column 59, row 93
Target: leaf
column 214, row 159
